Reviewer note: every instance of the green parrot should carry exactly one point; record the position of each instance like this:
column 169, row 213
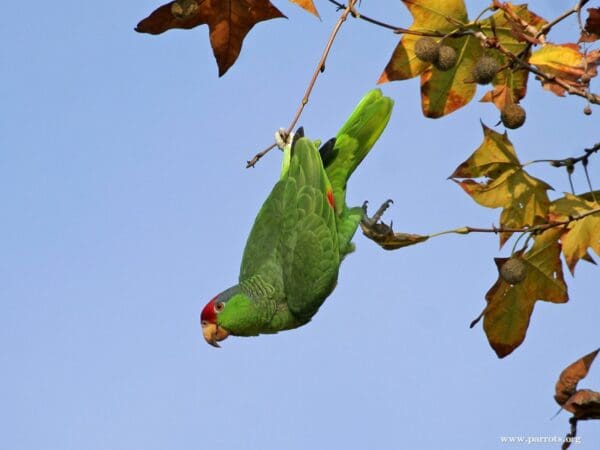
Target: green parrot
column 301, row 234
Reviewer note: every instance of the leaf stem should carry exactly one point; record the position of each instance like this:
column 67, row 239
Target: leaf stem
column 533, row 230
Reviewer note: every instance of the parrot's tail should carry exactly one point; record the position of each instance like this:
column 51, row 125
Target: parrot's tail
column 354, row 140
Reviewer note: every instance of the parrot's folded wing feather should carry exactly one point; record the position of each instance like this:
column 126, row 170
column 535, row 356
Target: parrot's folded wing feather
column 311, row 256
column 293, row 244
column 261, row 258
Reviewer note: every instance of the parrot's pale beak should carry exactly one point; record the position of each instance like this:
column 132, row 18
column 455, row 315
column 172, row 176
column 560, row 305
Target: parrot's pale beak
column 213, row 333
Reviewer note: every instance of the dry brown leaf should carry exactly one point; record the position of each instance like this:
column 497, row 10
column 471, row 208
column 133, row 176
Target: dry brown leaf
column 591, row 31
column 568, row 379
column 387, row 239
column 584, row 404
column 229, row 21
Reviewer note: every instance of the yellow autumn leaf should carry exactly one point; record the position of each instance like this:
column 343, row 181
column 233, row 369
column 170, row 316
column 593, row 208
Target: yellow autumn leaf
column 307, row 5
column 566, row 63
column 494, row 177
column 581, row 234
column 558, row 59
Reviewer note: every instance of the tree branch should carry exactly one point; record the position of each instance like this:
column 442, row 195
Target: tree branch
column 320, row 68
column 571, row 161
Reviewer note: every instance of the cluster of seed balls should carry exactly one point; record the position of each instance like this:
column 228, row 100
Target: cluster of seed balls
column 443, row 57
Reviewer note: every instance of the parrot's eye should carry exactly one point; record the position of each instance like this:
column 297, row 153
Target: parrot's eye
column 219, row 306
column 204, row 323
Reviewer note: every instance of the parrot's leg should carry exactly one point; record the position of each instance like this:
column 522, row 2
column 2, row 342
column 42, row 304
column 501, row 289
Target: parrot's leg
column 373, row 224
column 283, row 138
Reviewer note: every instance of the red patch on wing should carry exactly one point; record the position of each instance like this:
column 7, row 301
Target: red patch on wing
column 208, row 312
column 330, row 197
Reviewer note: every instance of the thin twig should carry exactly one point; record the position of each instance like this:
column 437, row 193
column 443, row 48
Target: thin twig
column 571, row 161
column 320, row 67
column 402, row 30
column 546, row 28
column 367, row 18
column 543, row 32
column 533, row 229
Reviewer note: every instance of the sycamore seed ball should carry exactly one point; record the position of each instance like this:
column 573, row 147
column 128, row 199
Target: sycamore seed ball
column 587, row 110
column 514, row 270
column 512, row 116
column 426, row 49
column 485, row 70
column 446, row 58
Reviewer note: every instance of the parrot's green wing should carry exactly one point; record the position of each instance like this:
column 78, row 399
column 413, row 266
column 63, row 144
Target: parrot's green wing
column 355, row 139
column 293, row 245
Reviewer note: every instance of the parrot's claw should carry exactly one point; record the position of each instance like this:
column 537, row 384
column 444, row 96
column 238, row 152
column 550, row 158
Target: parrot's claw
column 378, row 214
column 372, row 225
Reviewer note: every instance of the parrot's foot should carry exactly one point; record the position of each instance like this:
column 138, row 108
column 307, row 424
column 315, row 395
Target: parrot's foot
column 372, row 225
column 283, row 138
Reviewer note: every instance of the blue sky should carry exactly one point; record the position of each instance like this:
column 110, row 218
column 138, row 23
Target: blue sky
column 126, row 206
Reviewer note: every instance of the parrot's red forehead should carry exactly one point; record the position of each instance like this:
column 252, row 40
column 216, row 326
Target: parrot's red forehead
column 208, row 313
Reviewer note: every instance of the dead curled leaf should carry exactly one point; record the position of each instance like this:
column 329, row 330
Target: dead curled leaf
column 591, row 31
column 387, row 239
column 583, row 403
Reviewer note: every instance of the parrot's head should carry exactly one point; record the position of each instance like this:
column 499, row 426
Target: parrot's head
column 230, row 312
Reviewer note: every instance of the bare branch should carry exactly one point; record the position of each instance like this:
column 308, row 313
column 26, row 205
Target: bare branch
column 320, row 68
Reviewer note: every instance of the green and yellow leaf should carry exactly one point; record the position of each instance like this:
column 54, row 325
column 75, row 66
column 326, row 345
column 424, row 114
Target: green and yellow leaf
column 441, row 92
column 509, row 307
column 445, row 92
